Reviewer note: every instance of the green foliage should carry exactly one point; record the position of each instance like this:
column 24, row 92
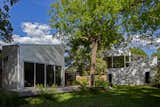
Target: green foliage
column 101, row 83
column 87, row 20
column 5, row 25
column 54, row 88
column 101, row 66
column 44, row 90
column 99, row 24
column 41, row 89
column 157, row 53
column 138, row 52
column 83, row 82
column 144, row 17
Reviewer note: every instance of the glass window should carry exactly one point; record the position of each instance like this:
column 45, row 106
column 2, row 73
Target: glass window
column 40, row 74
column 28, row 74
column 50, row 75
column 109, row 62
column 118, row 61
column 58, row 75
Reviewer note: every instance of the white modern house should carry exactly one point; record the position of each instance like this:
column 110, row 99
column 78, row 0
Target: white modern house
column 27, row 65
column 124, row 68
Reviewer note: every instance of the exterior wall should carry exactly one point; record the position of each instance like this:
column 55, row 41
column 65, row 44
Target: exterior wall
column 10, row 67
column 46, row 54
column 43, row 54
column 134, row 74
column 16, row 55
column 0, row 68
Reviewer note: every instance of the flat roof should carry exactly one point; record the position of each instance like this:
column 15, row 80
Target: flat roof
column 20, row 44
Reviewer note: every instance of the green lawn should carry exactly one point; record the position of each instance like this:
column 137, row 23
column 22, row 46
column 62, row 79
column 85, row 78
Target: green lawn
column 118, row 97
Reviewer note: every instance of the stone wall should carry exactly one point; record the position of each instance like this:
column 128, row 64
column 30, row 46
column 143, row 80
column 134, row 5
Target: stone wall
column 134, row 74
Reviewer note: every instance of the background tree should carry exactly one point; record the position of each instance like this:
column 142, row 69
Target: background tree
column 157, row 53
column 98, row 23
column 5, row 25
column 138, row 52
column 144, row 17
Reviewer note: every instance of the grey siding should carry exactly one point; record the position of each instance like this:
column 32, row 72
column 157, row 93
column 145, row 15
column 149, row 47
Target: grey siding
column 48, row 54
column 9, row 72
column 14, row 57
column 43, row 54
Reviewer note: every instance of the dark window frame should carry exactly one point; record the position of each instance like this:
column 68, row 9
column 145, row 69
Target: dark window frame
column 118, row 61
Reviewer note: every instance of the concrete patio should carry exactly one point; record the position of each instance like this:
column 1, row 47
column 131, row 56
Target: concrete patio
column 27, row 92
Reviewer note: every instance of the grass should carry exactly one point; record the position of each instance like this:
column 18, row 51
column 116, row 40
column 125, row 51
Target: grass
column 123, row 96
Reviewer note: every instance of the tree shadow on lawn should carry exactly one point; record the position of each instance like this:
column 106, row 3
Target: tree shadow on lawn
column 9, row 99
column 118, row 97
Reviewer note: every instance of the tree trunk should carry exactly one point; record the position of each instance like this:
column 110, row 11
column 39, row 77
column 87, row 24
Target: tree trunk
column 93, row 62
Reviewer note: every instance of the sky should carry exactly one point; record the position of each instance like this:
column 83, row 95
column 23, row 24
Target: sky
column 30, row 20
column 34, row 11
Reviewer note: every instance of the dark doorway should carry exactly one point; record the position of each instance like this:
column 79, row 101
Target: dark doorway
column 50, row 75
column 70, row 78
column 58, row 75
column 147, row 77
column 40, row 74
column 28, row 74
column 110, row 79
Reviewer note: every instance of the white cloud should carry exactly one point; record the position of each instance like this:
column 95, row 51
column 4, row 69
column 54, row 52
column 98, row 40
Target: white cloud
column 35, row 29
column 36, row 33
column 144, row 41
column 48, row 39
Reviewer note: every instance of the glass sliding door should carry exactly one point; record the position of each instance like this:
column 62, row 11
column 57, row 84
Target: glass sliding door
column 28, row 74
column 58, row 75
column 50, row 75
column 40, row 74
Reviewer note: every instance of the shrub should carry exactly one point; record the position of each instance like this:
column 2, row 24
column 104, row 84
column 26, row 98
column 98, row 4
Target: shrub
column 83, row 82
column 100, row 82
column 54, row 88
column 41, row 89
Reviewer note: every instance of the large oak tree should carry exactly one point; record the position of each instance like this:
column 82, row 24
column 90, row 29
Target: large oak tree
column 99, row 23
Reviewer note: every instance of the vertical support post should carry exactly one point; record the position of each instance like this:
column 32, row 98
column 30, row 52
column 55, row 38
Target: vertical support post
column 112, row 60
column 130, row 57
column 125, row 61
column 54, row 74
column 18, row 68
column 35, row 75
column 45, row 76
column 62, row 77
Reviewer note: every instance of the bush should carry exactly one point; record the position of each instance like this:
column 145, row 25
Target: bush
column 83, row 82
column 41, row 89
column 100, row 82
column 54, row 88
